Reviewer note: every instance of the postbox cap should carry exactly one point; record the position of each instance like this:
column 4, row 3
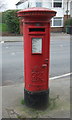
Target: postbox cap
column 36, row 14
column 37, row 11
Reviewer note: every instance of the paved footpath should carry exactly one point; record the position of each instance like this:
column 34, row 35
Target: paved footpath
column 12, row 99
column 12, row 95
column 54, row 36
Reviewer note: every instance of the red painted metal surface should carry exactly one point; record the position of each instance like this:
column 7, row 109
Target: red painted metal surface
column 36, row 26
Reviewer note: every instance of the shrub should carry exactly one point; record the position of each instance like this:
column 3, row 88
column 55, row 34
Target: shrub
column 68, row 22
column 0, row 17
column 4, row 27
column 12, row 21
column 3, row 17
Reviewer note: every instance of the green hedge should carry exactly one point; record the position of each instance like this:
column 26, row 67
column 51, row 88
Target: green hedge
column 3, row 17
column 12, row 21
column 0, row 17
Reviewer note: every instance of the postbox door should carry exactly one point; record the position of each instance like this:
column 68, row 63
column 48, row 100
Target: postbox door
column 39, row 62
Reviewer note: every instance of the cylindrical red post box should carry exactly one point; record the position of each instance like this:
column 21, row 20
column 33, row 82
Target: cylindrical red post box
column 36, row 32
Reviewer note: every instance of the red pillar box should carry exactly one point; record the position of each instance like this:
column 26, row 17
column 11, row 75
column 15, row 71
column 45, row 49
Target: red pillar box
column 36, row 32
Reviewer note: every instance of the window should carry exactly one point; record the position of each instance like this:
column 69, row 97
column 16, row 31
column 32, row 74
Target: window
column 57, row 3
column 57, row 21
column 38, row 4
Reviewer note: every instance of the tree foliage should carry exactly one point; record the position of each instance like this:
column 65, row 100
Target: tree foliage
column 12, row 21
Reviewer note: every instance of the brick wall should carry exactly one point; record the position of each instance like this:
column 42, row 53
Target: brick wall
column 57, row 29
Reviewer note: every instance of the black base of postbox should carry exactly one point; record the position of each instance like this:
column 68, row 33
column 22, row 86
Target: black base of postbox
column 36, row 100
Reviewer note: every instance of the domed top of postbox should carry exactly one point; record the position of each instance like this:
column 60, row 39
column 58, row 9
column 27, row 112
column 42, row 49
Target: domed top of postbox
column 37, row 12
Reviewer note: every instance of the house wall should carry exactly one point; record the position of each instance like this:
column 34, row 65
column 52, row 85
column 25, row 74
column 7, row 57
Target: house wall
column 47, row 4
column 61, row 12
column 23, row 5
column 65, row 6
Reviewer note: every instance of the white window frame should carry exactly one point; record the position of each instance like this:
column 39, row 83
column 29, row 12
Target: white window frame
column 56, row 2
column 58, row 19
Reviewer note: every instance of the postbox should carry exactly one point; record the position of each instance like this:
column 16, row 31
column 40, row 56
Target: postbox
column 36, row 33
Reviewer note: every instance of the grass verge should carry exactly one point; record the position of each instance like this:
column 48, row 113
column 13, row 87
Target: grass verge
column 3, row 27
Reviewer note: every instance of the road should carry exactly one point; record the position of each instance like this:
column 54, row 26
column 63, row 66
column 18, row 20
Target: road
column 12, row 59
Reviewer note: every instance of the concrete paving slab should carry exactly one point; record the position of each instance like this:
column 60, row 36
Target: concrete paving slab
column 59, row 107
